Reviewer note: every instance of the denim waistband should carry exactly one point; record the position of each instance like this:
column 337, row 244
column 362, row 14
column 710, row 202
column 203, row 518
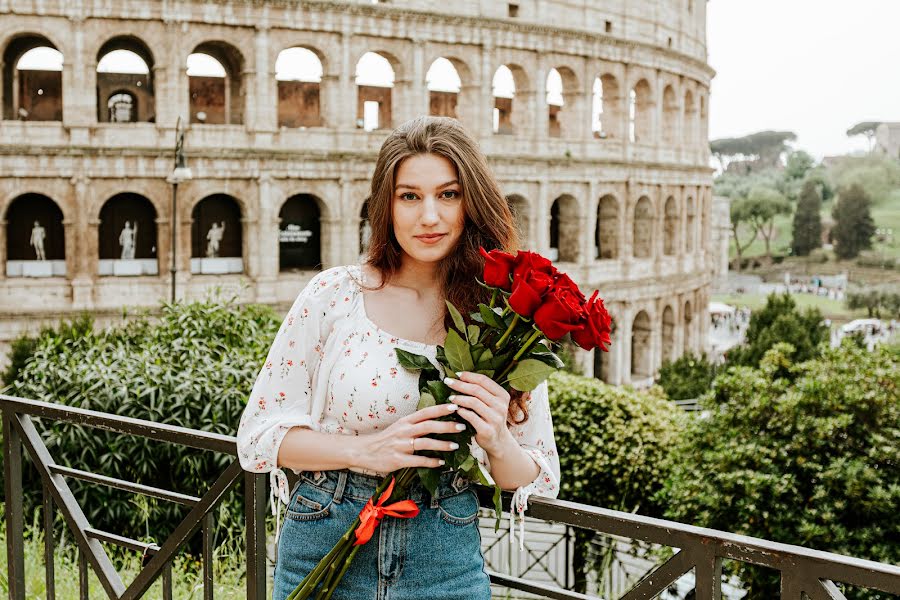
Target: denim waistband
column 344, row 483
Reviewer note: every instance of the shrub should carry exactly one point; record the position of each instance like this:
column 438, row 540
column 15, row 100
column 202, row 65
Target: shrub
column 801, row 453
column 193, row 368
column 687, row 377
column 876, row 260
column 611, row 442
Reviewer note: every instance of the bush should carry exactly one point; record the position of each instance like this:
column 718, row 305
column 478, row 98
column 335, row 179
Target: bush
column 193, row 368
column 801, row 453
column 876, row 260
column 611, row 442
column 818, row 255
column 687, row 377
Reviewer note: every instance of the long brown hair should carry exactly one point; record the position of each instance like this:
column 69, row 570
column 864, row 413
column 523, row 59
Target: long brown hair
column 488, row 220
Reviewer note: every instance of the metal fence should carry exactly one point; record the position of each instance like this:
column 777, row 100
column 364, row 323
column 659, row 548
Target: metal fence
column 805, row 573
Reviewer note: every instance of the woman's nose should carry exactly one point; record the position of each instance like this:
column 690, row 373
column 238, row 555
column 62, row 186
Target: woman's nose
column 429, row 210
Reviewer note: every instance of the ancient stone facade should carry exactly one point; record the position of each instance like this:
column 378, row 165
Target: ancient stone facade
column 613, row 179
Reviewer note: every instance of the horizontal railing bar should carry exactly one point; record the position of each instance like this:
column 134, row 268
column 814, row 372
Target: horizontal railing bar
column 120, row 540
column 203, row 440
column 777, row 555
column 533, row 587
column 127, row 486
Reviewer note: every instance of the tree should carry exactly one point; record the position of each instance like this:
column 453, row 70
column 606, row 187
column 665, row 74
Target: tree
column 763, row 149
column 853, row 228
column 780, row 321
column 809, row 459
column 807, row 230
column 740, row 215
column 687, row 377
column 866, row 128
column 764, row 204
column 798, row 165
column 875, row 299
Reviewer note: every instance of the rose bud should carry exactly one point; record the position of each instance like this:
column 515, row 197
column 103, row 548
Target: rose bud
column 498, row 267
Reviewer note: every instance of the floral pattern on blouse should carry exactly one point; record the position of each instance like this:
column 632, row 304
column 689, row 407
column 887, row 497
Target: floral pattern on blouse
column 331, row 369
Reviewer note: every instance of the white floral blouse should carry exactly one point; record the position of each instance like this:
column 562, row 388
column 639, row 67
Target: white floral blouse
column 331, row 369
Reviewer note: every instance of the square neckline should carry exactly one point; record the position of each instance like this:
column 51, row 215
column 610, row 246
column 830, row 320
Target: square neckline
column 358, row 280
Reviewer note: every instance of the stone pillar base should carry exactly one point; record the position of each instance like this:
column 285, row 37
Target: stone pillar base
column 265, row 291
column 82, row 293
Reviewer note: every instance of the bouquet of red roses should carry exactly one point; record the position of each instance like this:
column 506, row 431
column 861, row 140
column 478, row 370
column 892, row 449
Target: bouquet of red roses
column 511, row 340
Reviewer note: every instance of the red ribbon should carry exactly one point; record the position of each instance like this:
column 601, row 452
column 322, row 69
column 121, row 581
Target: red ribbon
column 372, row 514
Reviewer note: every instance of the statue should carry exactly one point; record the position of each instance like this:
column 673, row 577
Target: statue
column 127, row 240
column 214, row 236
column 38, row 234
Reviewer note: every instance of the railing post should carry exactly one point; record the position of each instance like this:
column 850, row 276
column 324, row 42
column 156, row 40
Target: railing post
column 49, row 545
column 255, row 515
column 708, row 574
column 12, row 488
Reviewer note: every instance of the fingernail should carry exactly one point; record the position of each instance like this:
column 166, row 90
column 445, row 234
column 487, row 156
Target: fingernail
column 460, row 427
column 459, row 373
column 452, row 397
column 440, row 462
column 454, row 445
column 452, row 407
column 448, row 380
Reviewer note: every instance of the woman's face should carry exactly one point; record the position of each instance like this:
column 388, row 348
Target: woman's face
column 427, row 207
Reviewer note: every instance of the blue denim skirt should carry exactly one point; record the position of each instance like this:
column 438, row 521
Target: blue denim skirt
column 435, row 555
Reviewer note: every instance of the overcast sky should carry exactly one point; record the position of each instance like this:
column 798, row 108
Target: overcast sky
column 815, row 67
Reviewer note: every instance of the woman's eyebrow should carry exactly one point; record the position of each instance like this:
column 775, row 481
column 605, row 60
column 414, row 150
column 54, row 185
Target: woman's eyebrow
column 415, row 187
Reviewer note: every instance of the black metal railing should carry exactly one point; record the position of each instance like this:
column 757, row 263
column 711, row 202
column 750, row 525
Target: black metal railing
column 805, row 573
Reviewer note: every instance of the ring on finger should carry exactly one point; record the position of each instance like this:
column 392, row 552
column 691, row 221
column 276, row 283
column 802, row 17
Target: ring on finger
column 412, row 442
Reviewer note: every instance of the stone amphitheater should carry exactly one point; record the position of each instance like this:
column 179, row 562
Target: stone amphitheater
column 593, row 113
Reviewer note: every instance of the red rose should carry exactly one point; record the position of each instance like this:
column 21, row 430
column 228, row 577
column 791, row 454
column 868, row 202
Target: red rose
column 563, row 282
column 526, row 262
column 597, row 326
column 528, row 292
column 560, row 313
column 498, row 266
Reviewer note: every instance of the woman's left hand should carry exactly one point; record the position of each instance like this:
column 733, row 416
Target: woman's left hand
column 485, row 405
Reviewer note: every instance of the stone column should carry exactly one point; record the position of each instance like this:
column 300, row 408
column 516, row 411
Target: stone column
column 620, row 352
column 265, row 247
column 418, row 100
column 542, row 218
column 485, row 112
column 331, row 242
column 79, row 83
column 347, row 84
column 3, row 224
column 535, row 101
column 81, row 248
column 263, row 107
column 589, row 240
column 626, row 229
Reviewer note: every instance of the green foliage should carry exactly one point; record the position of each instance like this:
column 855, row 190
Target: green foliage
column 193, row 368
column 762, row 206
column 854, row 228
column 807, row 230
column 24, row 346
column 878, row 175
column 780, row 321
column 687, row 377
column 797, row 165
column 612, row 442
column 801, row 453
column 764, row 147
column 876, row 299
column 866, row 128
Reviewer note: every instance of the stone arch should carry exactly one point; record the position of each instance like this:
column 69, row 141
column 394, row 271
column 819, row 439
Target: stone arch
column 521, row 210
column 465, row 104
column 605, row 110
column 298, row 75
column 690, row 118
column 670, row 116
column 690, row 231
column 641, row 336
column 125, row 70
column 127, row 238
column 668, row 334
column 688, row 338
column 640, row 111
column 35, row 237
column 510, row 116
column 376, row 73
column 670, row 227
column 562, row 104
column 216, row 235
column 444, row 86
column 300, row 233
column 32, row 93
column 565, row 227
column 642, row 244
column 216, row 93
column 606, row 233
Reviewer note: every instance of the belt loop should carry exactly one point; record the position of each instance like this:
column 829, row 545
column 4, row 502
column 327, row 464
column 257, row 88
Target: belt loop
column 339, row 488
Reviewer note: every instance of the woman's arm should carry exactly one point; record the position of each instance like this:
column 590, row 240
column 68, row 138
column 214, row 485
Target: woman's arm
column 511, row 466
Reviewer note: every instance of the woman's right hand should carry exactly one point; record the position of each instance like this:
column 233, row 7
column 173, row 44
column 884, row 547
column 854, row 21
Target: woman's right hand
column 391, row 449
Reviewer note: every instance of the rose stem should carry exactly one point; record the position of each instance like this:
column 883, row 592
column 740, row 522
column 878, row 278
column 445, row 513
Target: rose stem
column 507, row 333
column 519, row 354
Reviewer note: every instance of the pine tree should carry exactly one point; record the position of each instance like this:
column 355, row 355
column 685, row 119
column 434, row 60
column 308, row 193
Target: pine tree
column 854, row 228
column 807, row 221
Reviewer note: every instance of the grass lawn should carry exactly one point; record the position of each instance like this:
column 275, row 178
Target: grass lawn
column 831, row 309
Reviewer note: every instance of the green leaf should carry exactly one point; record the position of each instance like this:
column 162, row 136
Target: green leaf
column 425, row 400
column 412, row 361
column 430, row 478
column 490, row 317
column 548, row 358
column 477, row 353
column 439, row 391
column 484, row 359
column 472, row 333
column 457, row 351
column 457, row 318
column 526, row 375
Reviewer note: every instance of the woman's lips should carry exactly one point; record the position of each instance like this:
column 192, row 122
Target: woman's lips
column 430, row 238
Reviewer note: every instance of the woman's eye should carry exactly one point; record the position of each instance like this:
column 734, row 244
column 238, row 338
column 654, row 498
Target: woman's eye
column 408, row 196
column 453, row 194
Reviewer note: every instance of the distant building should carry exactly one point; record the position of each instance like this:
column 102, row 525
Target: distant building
column 887, row 139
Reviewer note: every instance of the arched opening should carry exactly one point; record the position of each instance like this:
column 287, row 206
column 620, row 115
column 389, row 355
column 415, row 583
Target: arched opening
column 607, row 229
column 519, row 208
column 605, row 119
column 125, row 91
column 216, row 84
column 690, row 118
column 299, row 234
column 668, row 334
column 216, row 245
column 643, row 228
column 365, row 231
column 504, row 90
column 35, row 238
column 640, row 347
column 670, row 116
column 640, row 113
column 565, row 230
column 690, row 231
column 127, row 236
column 555, row 102
column 688, row 328
column 298, row 72
column 670, row 227
column 32, row 80
column 443, row 84
column 374, row 82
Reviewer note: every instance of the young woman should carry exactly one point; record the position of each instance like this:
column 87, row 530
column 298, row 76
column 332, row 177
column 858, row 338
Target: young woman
column 333, row 404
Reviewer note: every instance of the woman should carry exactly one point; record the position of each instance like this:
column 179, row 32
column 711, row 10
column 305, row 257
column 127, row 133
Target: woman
column 332, row 402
